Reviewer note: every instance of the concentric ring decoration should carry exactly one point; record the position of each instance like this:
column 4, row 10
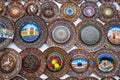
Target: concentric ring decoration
column 107, row 63
column 57, row 62
column 49, row 11
column 108, row 12
column 91, row 35
column 70, row 11
column 62, row 33
column 33, row 63
column 10, row 63
column 89, row 10
column 31, row 31
column 82, row 63
column 33, row 8
column 15, row 10
column 6, row 32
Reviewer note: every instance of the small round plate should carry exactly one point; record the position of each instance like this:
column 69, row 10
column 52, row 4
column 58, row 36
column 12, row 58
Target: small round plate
column 33, row 7
column 62, row 33
column 90, row 78
column 33, row 63
column 10, row 63
column 71, row 78
column 17, row 78
column 89, row 10
column 57, row 62
column 108, row 78
column 31, row 31
column 15, row 10
column 49, row 11
column 70, row 11
column 91, row 35
column 112, row 35
column 54, row 78
column 107, row 63
column 6, row 32
column 81, row 63
column 107, row 12
column 2, row 9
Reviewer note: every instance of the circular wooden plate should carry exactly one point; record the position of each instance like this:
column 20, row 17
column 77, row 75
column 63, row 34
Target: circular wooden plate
column 62, row 33
column 10, row 63
column 33, row 63
column 57, row 62
column 31, row 31
column 70, row 11
column 49, row 11
column 91, row 35
column 81, row 63
column 89, row 10
column 107, row 63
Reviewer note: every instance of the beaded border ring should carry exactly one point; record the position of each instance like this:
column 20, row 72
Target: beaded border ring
column 81, row 42
column 15, row 10
column 70, row 11
column 107, row 63
column 49, row 11
column 103, row 14
column 33, row 8
column 57, row 62
column 6, row 32
column 33, row 63
column 89, row 10
column 10, row 63
column 31, row 31
column 62, row 33
column 81, row 63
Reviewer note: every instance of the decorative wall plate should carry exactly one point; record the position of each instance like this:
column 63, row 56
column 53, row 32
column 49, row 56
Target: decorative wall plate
column 89, row 10
column 107, row 12
column 90, row 78
column 72, row 78
column 18, row 78
column 10, row 63
column 107, row 63
column 6, row 32
column 31, row 31
column 108, row 78
column 33, row 63
column 2, row 9
column 62, row 33
column 15, row 10
column 81, row 63
column 112, row 35
column 91, row 35
column 49, row 11
column 70, row 11
column 57, row 62
column 33, row 7
column 106, row 1
column 53, row 78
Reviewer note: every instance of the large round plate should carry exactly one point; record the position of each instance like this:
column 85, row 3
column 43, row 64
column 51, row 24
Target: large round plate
column 70, row 11
column 62, row 33
column 49, row 11
column 107, row 12
column 10, row 63
column 15, row 10
column 33, row 8
column 81, row 63
column 89, row 10
column 57, row 62
column 33, row 63
column 107, row 63
column 31, row 32
column 112, row 35
column 6, row 32
column 91, row 35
